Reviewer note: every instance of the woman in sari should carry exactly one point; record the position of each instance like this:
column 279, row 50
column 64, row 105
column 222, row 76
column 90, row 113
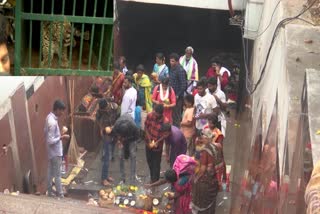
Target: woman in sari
column 143, row 85
column 181, row 178
column 205, row 185
column 220, row 166
column 164, row 94
column 117, row 82
column 160, row 68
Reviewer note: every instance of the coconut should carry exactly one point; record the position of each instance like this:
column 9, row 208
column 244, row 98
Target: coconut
column 126, row 201
column 132, row 203
column 102, row 192
column 130, row 194
column 108, row 129
column 117, row 201
column 155, row 202
column 111, row 195
column 64, row 129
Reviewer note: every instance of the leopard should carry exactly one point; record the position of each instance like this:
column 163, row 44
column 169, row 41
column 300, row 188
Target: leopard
column 56, row 37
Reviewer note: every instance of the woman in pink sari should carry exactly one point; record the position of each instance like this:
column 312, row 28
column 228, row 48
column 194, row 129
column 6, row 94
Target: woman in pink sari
column 181, row 178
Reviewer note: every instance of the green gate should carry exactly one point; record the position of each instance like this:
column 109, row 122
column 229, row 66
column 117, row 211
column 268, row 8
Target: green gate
column 46, row 32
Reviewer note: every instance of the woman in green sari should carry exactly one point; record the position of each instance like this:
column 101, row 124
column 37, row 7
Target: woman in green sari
column 144, row 86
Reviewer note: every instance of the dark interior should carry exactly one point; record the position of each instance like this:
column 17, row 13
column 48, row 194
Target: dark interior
column 146, row 29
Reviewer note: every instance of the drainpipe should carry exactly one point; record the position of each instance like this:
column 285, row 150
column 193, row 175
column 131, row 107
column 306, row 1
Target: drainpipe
column 18, row 177
column 34, row 172
column 231, row 11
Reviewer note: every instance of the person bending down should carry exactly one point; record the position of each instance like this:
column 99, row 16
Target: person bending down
column 180, row 176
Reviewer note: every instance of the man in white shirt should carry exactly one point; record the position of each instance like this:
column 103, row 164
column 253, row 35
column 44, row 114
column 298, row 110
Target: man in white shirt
column 128, row 105
column 205, row 105
column 221, row 100
column 190, row 65
column 54, row 140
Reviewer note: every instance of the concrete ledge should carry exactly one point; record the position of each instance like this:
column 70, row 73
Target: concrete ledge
column 41, row 204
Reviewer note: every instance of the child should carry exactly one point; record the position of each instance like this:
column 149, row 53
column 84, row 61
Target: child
column 187, row 123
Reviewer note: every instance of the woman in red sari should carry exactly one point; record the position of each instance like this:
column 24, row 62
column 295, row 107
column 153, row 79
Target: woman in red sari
column 164, row 94
column 117, row 82
column 205, row 185
column 217, row 140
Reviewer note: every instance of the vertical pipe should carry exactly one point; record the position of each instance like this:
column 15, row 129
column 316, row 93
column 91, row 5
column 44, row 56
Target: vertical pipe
column 101, row 39
column 41, row 33
column 231, row 11
column 72, row 31
column 82, row 34
column 110, row 50
column 30, row 35
column 15, row 149
column 61, row 34
column 92, row 35
column 18, row 35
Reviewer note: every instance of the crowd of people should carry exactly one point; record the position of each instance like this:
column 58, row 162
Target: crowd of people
column 185, row 123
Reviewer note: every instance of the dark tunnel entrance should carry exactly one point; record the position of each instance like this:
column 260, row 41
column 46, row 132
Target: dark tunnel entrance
column 146, row 29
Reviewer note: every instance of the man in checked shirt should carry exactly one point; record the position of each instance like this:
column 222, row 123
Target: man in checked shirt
column 154, row 140
column 178, row 81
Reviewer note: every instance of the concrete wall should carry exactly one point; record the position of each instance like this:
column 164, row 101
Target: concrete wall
column 22, row 122
column 294, row 50
column 274, row 82
column 217, row 5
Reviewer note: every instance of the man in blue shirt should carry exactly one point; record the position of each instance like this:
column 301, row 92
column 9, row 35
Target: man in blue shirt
column 54, row 140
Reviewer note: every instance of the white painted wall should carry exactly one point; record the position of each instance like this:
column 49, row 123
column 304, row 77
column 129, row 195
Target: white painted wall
column 205, row 4
column 8, row 86
column 284, row 74
column 274, row 82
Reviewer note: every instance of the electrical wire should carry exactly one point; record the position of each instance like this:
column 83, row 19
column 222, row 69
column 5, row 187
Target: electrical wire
column 280, row 24
column 274, row 10
column 310, row 23
column 245, row 46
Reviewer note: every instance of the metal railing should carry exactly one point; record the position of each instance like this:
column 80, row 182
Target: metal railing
column 30, row 60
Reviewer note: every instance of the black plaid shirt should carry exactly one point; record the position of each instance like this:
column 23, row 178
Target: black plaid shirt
column 178, row 80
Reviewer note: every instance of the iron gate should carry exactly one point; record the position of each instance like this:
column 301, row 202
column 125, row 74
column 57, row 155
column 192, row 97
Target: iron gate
column 46, row 33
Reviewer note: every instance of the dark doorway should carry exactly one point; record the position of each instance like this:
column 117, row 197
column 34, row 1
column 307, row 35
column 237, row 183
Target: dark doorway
column 146, row 29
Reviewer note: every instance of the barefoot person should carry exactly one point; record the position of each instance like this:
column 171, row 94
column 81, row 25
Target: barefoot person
column 154, row 140
column 180, row 176
column 205, row 185
column 54, row 141
column 105, row 117
column 128, row 135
